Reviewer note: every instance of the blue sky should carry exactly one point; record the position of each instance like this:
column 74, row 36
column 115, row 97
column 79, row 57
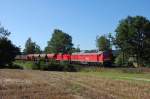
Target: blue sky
column 82, row 19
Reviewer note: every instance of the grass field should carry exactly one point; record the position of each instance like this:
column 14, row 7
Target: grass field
column 97, row 84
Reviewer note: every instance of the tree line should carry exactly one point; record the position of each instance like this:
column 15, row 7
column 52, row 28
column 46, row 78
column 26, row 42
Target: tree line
column 131, row 41
column 60, row 42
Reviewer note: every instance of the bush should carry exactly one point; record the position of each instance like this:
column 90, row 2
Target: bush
column 51, row 65
column 147, row 64
column 15, row 66
column 35, row 66
column 63, row 66
column 70, row 67
column 55, row 67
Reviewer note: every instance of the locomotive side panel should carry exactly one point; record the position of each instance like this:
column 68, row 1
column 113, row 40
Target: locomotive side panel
column 59, row 57
column 66, row 57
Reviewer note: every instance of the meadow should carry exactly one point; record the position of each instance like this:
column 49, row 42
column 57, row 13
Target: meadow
column 89, row 83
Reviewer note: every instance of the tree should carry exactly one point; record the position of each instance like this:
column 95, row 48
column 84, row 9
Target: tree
column 133, row 37
column 75, row 49
column 37, row 49
column 103, row 43
column 59, row 43
column 8, row 51
column 31, row 47
column 4, row 32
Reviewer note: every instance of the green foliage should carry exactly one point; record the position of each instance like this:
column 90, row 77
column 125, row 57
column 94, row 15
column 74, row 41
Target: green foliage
column 69, row 67
column 75, row 50
column 31, row 47
column 37, row 49
column 103, row 43
column 52, row 65
column 133, row 38
column 62, row 66
column 4, row 32
column 60, row 43
column 119, row 60
column 55, row 66
column 8, row 51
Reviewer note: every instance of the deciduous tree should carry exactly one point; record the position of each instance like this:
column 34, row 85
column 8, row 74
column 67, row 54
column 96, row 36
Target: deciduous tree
column 60, row 42
column 133, row 37
column 4, row 32
column 103, row 43
column 8, row 51
column 31, row 47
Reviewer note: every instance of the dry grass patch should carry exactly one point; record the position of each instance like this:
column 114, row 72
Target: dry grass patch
column 23, row 84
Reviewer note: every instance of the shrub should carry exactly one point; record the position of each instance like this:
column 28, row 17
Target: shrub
column 72, row 68
column 55, row 67
column 51, row 65
column 63, row 66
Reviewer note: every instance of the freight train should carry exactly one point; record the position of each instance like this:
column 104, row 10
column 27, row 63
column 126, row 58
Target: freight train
column 99, row 58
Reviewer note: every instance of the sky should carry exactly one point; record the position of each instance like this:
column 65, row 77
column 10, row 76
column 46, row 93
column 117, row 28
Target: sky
column 82, row 19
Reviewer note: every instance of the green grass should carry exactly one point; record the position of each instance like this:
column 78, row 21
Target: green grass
column 118, row 74
column 134, row 74
column 25, row 65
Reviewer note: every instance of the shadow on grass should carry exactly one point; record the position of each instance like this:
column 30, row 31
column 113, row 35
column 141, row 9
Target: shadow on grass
column 14, row 66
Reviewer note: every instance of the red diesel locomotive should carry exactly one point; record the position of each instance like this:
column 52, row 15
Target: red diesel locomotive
column 83, row 58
